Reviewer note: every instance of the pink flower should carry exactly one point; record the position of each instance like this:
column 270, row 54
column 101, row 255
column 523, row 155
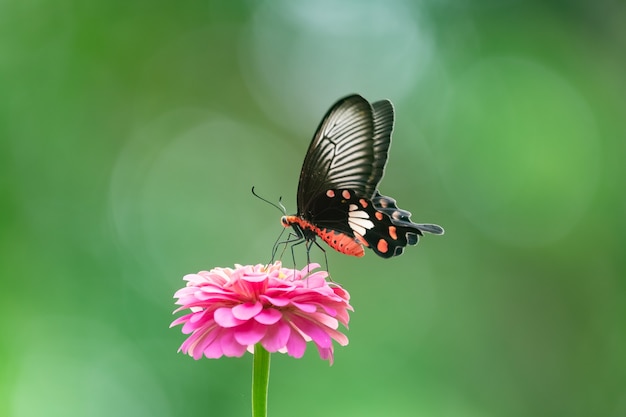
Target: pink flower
column 233, row 309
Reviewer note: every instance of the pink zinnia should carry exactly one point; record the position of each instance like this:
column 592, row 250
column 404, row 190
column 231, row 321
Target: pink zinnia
column 234, row 309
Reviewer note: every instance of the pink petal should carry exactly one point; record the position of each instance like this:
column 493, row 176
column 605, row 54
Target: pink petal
column 338, row 337
column 180, row 320
column 197, row 316
column 194, row 321
column 247, row 310
column 231, row 347
column 189, row 327
column 212, row 351
column 296, row 345
column 276, row 337
column 255, row 277
column 326, row 353
column 225, row 318
column 307, row 308
column 315, row 332
column 198, row 342
column 317, row 279
column 249, row 333
column 328, row 309
column 268, row 316
column 277, row 301
column 325, row 320
column 308, row 269
column 214, row 296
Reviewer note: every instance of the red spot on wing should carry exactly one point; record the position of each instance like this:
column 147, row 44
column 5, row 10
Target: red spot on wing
column 346, row 194
column 379, row 215
column 363, row 203
column 392, row 232
column 330, row 193
column 382, row 246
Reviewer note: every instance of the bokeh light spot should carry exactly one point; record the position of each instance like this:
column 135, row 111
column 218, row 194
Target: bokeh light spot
column 94, row 373
column 183, row 183
column 303, row 54
column 521, row 151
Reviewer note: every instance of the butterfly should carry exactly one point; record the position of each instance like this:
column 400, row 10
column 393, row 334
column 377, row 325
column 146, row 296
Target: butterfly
column 338, row 198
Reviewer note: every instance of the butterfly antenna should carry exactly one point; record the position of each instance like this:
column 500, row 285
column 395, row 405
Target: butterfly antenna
column 279, row 206
column 280, row 203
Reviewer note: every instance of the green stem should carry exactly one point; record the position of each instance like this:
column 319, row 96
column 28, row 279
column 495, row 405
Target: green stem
column 260, row 381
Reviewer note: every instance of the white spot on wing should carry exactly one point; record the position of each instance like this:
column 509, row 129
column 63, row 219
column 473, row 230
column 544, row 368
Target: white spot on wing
column 363, row 223
column 357, row 229
column 359, row 222
column 358, row 214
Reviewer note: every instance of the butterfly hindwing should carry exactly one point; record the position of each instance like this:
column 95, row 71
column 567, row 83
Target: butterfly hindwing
column 378, row 224
column 401, row 217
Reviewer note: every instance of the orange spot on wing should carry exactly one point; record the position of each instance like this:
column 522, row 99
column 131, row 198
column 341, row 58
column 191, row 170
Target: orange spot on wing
column 363, row 203
column 379, row 215
column 346, row 194
column 330, row 193
column 382, row 246
column 392, row 232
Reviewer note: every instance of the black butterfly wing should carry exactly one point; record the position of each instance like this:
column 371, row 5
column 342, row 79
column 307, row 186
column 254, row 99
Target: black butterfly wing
column 393, row 231
column 349, row 151
column 378, row 223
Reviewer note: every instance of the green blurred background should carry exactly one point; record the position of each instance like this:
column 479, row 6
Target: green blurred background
column 132, row 132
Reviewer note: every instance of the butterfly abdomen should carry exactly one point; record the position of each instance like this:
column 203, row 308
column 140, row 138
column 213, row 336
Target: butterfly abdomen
column 340, row 242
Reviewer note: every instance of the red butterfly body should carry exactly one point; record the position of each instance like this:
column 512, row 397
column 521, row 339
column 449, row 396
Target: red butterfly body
column 338, row 198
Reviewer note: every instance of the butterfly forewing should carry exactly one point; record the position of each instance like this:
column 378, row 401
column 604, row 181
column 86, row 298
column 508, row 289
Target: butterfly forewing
column 349, row 150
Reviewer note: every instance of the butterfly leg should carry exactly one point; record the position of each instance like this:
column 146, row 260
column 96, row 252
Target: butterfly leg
column 278, row 243
column 300, row 240
column 297, row 237
column 308, row 249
